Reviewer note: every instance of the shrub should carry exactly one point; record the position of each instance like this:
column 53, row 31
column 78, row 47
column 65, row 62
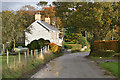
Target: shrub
column 34, row 44
column 41, row 42
column 102, row 53
column 53, row 47
column 106, row 45
column 38, row 44
column 19, row 44
column 10, row 46
column 67, row 47
column 46, row 42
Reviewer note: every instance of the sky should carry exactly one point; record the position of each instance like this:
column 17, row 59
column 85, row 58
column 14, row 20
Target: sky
column 17, row 4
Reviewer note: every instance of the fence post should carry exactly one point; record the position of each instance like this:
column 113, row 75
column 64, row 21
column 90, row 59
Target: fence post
column 31, row 54
column 45, row 49
column 48, row 47
column 19, row 56
column 37, row 53
column 7, row 57
column 25, row 55
column 28, row 54
column 41, row 55
column 34, row 54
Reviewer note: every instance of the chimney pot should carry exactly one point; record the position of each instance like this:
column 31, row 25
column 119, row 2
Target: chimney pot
column 38, row 16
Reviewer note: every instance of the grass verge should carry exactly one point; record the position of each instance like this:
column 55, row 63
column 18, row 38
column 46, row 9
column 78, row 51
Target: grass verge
column 24, row 70
column 112, row 67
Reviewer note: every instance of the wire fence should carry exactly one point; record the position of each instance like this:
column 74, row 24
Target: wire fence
column 20, row 59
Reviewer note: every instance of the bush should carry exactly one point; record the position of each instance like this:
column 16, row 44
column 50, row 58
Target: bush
column 38, row 44
column 33, row 45
column 82, row 40
column 67, row 47
column 19, row 44
column 41, row 42
column 10, row 46
column 102, row 53
column 106, row 45
column 53, row 47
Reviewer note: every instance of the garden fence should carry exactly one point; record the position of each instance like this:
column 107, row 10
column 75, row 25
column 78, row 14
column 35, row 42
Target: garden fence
column 23, row 58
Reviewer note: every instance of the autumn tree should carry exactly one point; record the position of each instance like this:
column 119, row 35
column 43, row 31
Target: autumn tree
column 28, row 13
column 96, row 18
column 12, row 26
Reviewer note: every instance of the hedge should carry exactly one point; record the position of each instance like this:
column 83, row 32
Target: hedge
column 38, row 44
column 107, row 45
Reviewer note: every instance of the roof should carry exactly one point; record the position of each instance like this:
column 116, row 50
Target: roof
column 48, row 26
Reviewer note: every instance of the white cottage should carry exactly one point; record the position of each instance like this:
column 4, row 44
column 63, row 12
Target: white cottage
column 40, row 29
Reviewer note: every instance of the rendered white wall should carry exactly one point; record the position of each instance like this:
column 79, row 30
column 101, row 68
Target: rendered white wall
column 37, row 33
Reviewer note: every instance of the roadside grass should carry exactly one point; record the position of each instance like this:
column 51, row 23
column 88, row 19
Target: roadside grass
column 25, row 67
column 91, row 57
column 112, row 67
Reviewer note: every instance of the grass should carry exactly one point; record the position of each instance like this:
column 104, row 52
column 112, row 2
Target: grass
column 25, row 67
column 91, row 57
column 112, row 67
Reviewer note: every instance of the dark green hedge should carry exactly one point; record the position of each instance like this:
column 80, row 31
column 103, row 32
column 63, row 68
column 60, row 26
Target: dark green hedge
column 102, row 53
column 38, row 44
column 67, row 47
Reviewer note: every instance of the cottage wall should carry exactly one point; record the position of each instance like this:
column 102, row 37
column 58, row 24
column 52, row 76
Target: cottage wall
column 37, row 32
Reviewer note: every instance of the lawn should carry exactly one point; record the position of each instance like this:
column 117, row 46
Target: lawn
column 112, row 67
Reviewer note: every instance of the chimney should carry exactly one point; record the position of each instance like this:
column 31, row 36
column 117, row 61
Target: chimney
column 38, row 16
column 47, row 20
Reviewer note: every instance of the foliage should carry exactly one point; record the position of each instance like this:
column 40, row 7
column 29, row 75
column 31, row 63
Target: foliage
column 20, row 44
column 95, row 18
column 53, row 47
column 50, row 12
column 102, row 53
column 38, row 44
column 67, row 47
column 12, row 26
column 10, row 46
column 107, row 45
column 42, row 3
column 33, row 45
column 41, row 43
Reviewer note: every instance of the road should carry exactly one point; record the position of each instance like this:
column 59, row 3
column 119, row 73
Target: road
column 71, row 66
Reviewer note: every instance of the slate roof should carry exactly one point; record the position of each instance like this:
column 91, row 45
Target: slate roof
column 48, row 26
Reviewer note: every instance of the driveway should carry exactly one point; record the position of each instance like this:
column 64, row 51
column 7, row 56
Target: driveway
column 71, row 66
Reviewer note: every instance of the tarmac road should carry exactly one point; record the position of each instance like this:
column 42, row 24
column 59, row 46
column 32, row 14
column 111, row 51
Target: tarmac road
column 73, row 65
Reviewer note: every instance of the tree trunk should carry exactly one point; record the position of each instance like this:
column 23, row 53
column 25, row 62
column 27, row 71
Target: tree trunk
column 14, row 44
column 92, row 44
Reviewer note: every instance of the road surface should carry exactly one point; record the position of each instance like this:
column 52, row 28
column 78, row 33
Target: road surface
column 71, row 66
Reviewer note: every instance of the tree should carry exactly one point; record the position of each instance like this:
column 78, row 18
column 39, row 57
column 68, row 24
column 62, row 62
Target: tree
column 42, row 3
column 12, row 26
column 96, row 18
column 27, row 8
column 28, row 13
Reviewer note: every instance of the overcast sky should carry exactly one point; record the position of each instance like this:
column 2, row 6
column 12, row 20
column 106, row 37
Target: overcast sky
column 17, row 4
